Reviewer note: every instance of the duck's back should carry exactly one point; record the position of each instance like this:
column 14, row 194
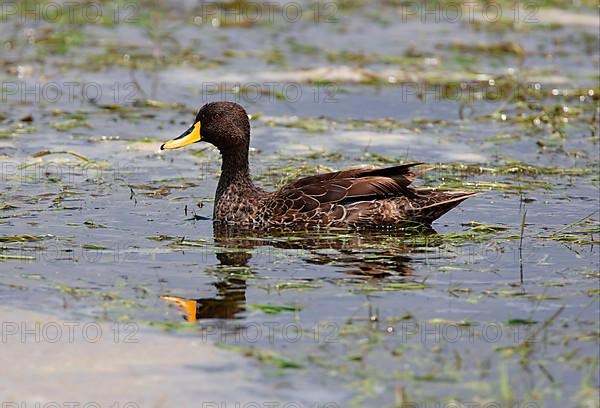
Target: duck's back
column 370, row 198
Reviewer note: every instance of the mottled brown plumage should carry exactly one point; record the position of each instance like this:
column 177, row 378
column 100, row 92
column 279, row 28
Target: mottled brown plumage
column 357, row 198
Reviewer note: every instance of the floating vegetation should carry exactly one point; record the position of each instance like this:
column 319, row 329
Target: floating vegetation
column 186, row 242
column 161, row 238
column 478, row 227
column 394, row 286
column 6, row 206
column 175, row 326
column 513, row 322
column 23, row 238
column 264, row 356
column 60, row 42
column 273, row 309
column 160, row 191
column 517, row 167
column 68, row 124
column 293, row 286
column 313, row 125
column 362, row 59
column 151, row 103
column 585, row 231
column 501, row 48
column 15, row 130
column 74, row 291
column 17, row 257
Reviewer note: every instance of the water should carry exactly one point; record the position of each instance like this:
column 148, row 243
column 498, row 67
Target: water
column 121, row 232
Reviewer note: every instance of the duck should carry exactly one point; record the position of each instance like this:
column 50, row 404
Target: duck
column 347, row 199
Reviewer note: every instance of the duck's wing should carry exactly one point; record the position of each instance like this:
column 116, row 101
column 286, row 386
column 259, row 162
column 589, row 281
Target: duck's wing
column 404, row 173
column 344, row 187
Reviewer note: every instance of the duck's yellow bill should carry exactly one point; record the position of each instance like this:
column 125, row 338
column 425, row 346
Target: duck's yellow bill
column 192, row 135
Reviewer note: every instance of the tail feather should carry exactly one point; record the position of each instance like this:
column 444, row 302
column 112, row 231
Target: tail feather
column 438, row 204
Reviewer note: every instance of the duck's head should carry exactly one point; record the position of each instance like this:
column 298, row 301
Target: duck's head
column 222, row 124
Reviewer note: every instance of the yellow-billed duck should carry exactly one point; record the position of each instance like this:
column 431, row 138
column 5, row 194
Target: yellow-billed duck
column 356, row 198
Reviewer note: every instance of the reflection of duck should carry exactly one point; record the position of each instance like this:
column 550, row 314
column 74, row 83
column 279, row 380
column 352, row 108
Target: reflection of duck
column 229, row 301
column 352, row 198
column 230, row 298
column 371, row 255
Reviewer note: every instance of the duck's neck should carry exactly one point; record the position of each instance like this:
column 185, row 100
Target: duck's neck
column 234, row 170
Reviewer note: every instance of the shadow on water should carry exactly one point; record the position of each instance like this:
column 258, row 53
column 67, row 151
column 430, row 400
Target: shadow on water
column 364, row 254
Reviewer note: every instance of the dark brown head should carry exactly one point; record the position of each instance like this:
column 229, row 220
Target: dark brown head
column 222, row 124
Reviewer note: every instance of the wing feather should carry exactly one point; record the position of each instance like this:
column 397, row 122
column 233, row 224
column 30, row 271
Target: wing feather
column 313, row 195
